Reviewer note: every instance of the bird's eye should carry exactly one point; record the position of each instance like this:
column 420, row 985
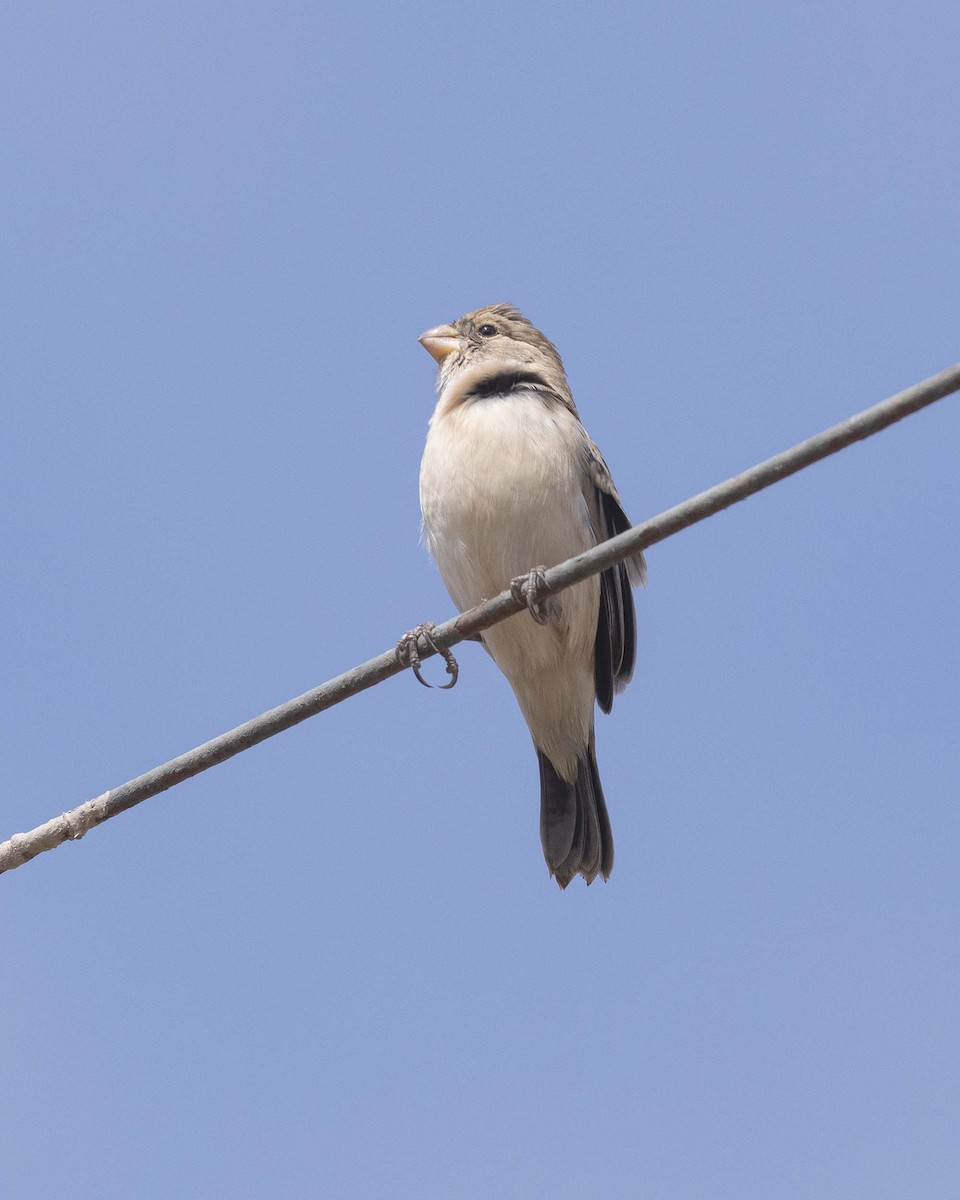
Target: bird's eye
column 488, row 331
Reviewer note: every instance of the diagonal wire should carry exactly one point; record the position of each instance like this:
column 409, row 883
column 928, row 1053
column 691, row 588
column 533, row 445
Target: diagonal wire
column 21, row 847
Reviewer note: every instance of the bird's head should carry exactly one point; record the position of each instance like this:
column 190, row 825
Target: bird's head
column 493, row 344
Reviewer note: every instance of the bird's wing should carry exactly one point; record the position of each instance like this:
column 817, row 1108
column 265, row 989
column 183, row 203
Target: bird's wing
column 616, row 646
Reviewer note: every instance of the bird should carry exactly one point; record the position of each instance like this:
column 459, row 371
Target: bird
column 511, row 481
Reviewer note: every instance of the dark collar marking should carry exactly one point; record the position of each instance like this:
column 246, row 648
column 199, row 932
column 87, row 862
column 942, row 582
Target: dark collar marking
column 504, row 383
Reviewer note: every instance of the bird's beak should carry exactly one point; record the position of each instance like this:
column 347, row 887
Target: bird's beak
column 440, row 341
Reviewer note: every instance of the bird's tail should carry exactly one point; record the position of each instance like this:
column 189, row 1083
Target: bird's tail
column 574, row 826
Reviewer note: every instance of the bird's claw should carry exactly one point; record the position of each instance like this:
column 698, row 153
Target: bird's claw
column 408, row 654
column 526, row 589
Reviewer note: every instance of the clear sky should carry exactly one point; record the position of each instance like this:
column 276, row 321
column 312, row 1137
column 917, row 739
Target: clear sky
column 336, row 966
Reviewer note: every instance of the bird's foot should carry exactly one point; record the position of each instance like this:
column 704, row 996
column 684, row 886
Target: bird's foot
column 408, row 653
column 526, row 589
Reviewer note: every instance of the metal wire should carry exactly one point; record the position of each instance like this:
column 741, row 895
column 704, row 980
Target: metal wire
column 70, row 826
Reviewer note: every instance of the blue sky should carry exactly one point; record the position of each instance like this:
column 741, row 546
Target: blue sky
column 336, row 965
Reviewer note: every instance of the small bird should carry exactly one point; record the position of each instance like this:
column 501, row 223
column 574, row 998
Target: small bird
column 511, row 481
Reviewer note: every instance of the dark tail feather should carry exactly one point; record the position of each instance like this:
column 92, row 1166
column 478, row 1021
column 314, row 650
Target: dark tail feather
column 574, row 825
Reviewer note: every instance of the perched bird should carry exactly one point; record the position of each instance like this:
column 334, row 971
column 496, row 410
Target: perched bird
column 511, row 480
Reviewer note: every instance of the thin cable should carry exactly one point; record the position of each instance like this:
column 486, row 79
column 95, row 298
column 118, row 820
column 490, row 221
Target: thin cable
column 70, row 826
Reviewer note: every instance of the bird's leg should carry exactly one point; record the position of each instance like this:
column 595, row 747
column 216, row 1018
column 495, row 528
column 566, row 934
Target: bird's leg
column 526, row 589
column 408, row 653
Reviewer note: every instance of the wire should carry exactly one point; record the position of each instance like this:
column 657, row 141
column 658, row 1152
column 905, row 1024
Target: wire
column 70, row 826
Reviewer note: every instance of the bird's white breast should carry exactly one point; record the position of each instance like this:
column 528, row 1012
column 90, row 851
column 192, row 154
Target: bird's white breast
column 501, row 492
